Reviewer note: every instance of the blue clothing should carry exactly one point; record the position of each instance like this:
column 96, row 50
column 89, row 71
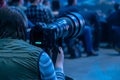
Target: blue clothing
column 47, row 69
column 38, row 13
column 116, row 36
column 92, row 19
column 114, row 24
column 114, row 18
column 87, row 34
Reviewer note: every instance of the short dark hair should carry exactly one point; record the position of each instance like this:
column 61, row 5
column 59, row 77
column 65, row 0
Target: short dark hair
column 12, row 23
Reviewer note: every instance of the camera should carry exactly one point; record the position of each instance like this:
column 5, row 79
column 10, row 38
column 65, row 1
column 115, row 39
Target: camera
column 51, row 36
column 64, row 28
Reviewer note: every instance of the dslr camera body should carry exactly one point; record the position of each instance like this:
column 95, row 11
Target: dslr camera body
column 50, row 36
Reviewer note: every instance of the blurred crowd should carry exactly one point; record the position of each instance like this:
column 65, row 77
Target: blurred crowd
column 100, row 27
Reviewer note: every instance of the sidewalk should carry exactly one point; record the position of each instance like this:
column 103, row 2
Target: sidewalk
column 106, row 66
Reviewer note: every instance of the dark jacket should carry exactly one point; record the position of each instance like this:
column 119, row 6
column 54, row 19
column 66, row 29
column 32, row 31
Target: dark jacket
column 114, row 18
column 18, row 60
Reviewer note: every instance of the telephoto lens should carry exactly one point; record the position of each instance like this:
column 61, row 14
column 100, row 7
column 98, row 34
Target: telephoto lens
column 51, row 36
column 68, row 26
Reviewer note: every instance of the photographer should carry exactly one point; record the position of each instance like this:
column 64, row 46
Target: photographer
column 20, row 60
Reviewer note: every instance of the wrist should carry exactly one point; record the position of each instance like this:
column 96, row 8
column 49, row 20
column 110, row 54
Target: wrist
column 59, row 69
column 59, row 65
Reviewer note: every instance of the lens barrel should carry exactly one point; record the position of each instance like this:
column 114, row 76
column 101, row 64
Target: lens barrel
column 68, row 26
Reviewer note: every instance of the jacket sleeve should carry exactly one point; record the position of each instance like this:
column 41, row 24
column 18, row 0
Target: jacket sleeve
column 47, row 70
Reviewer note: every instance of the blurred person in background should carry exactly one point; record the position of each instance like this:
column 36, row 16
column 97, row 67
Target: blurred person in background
column 113, row 21
column 18, row 59
column 55, row 7
column 92, row 20
column 47, row 5
column 38, row 13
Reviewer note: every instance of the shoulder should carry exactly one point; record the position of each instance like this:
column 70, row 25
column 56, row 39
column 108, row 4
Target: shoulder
column 23, row 45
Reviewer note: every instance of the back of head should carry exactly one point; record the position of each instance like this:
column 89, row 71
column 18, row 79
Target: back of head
column 12, row 24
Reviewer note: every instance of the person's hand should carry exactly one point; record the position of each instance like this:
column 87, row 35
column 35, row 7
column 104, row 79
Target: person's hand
column 60, row 59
